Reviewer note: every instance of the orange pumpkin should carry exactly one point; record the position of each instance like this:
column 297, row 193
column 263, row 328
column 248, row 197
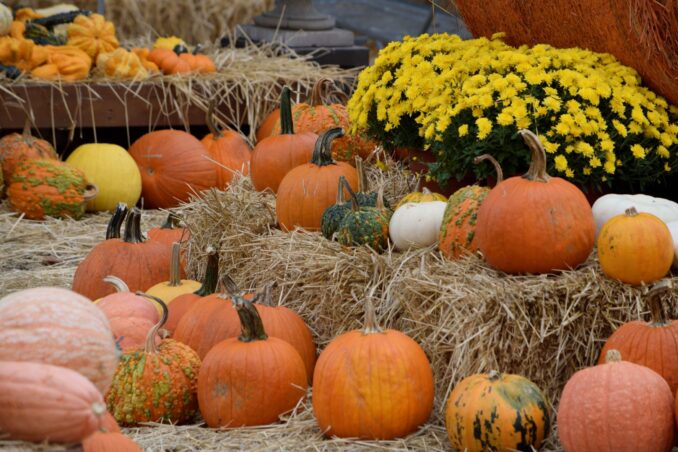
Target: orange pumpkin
column 268, row 124
column 92, row 34
column 616, row 406
column 109, row 442
column 173, row 165
column 170, row 231
column 56, row 326
column 18, row 147
column 139, row 263
column 307, row 190
column 635, row 248
column 274, row 156
column 535, row 223
column 41, row 402
column 229, row 149
column 251, row 379
column 372, row 384
column 170, row 62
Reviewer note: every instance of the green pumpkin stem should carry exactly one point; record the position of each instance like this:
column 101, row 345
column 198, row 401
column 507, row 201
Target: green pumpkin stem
column 171, row 222
column 230, row 286
column 150, row 346
column 537, row 171
column 133, row 227
column 658, row 317
column 322, row 152
column 354, row 199
column 119, row 284
column 494, row 162
column 250, row 322
column 115, row 223
column 175, row 265
column 286, row 123
column 211, row 277
column 371, row 325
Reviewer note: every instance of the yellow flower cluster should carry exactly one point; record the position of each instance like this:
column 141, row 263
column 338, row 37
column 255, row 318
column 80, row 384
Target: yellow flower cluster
column 591, row 112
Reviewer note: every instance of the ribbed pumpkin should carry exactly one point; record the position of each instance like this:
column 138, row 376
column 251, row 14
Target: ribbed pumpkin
column 458, row 230
column 229, row 149
column 155, row 383
column 635, row 248
column 41, row 402
column 167, row 291
column 365, row 225
column 652, row 344
column 251, row 379
column 307, row 190
column 56, row 326
column 139, row 263
column 130, row 315
column 18, row 147
column 274, row 156
column 109, row 442
column 121, row 64
column 616, row 406
column 181, row 304
column 535, row 223
column 64, row 63
column 112, row 170
column 317, row 117
column 497, row 412
column 372, row 384
column 45, row 187
column 93, row 34
column 173, row 164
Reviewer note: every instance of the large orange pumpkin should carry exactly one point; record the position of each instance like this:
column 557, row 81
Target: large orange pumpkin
column 173, row 165
column 275, row 156
column 18, row 147
column 229, row 149
column 307, row 190
column 635, row 248
column 535, row 223
column 616, row 406
column 372, row 384
column 41, row 402
column 652, row 344
column 268, row 124
column 139, row 263
column 251, row 379
column 56, row 326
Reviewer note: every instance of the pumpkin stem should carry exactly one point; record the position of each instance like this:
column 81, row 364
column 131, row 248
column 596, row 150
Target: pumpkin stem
column 380, row 198
column 133, row 227
column 362, row 177
column 537, row 171
column 494, row 375
column 494, row 162
column 116, row 282
column 417, row 186
column 150, row 346
column 371, row 325
column 26, row 132
column 631, row 212
column 267, row 296
column 613, row 356
column 658, row 317
column 209, row 281
column 316, row 93
column 115, row 223
column 322, row 152
column 250, row 322
column 341, row 199
column 171, row 222
column 354, row 199
column 286, row 123
column 209, row 119
column 231, row 287
column 99, row 409
column 175, row 265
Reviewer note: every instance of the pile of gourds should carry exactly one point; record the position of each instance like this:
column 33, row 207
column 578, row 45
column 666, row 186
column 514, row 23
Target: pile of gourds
column 65, row 43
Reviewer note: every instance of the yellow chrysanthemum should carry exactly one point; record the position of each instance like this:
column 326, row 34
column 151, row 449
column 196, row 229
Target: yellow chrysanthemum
column 638, row 151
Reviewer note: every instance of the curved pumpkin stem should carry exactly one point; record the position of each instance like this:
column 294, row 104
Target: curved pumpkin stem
column 171, row 222
column 133, row 227
column 316, row 93
column 116, row 282
column 380, row 198
column 231, row 287
column 115, row 223
column 175, row 265
column 322, row 152
column 209, row 281
column 150, row 346
column 209, row 119
column 363, row 186
column 613, row 356
column 654, row 296
column 250, row 321
column 354, row 199
column 371, row 325
column 537, row 171
column 341, row 199
column 495, row 163
column 286, row 123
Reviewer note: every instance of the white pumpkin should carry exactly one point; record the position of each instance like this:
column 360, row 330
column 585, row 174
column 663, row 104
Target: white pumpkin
column 609, row 206
column 673, row 227
column 416, row 224
column 5, row 19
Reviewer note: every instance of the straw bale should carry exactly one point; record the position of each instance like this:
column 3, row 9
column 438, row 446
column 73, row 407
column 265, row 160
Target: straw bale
column 642, row 34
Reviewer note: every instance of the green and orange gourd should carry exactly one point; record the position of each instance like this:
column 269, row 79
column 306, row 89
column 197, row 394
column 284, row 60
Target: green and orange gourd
column 364, row 225
column 19, row 147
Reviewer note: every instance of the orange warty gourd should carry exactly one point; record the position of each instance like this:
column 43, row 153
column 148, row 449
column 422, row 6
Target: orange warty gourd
column 41, row 402
column 275, row 156
column 139, row 263
column 496, row 412
column 372, row 384
column 652, row 344
column 109, row 442
column 229, row 149
column 56, row 326
column 635, row 248
column 18, row 147
column 616, row 406
column 251, row 379
column 307, row 190
column 173, row 164
column 535, row 223
column 155, row 383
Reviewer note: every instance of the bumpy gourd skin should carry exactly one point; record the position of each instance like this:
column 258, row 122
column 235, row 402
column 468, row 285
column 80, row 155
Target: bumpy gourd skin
column 158, row 387
column 368, row 226
column 457, row 234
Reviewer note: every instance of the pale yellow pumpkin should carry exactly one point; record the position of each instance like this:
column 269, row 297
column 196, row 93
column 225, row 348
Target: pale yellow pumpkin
column 121, row 64
column 93, row 34
column 5, row 19
column 112, row 170
column 169, row 290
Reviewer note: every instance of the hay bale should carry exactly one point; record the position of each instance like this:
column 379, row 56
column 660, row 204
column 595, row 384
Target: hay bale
column 642, row 34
